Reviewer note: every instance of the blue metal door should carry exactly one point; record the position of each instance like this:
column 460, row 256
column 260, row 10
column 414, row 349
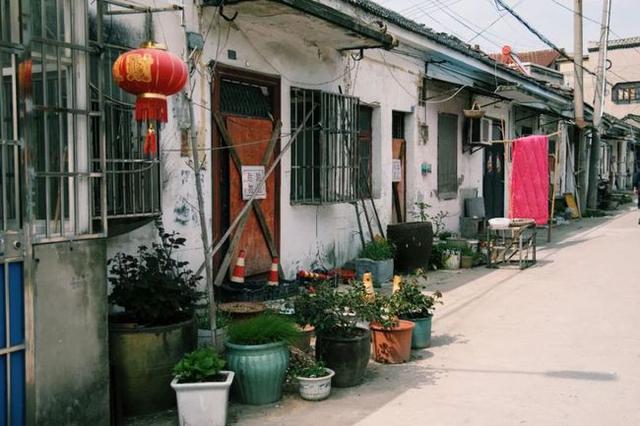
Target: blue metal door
column 12, row 344
column 12, row 287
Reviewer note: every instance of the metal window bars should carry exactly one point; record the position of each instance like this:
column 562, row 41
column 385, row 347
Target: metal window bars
column 66, row 127
column 133, row 181
column 325, row 157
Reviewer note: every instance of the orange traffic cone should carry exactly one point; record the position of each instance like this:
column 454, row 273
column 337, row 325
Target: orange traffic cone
column 273, row 273
column 367, row 279
column 238, row 271
column 397, row 283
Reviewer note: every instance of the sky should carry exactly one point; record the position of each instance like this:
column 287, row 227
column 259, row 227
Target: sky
column 466, row 18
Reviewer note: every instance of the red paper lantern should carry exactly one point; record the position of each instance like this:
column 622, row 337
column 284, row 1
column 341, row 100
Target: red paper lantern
column 151, row 73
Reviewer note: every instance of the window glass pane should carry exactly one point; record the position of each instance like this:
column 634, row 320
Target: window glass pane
column 398, row 125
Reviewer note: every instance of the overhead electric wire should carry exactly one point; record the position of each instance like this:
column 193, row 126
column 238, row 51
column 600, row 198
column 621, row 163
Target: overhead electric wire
column 460, row 19
column 431, row 7
column 542, row 37
column 593, row 21
column 495, row 21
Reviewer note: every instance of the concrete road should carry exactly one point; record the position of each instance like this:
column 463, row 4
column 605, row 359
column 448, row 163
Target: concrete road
column 557, row 344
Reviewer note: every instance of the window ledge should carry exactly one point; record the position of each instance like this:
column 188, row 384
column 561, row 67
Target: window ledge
column 445, row 196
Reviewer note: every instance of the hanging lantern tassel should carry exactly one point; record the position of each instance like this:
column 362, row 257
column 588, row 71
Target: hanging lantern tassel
column 151, row 106
column 150, row 143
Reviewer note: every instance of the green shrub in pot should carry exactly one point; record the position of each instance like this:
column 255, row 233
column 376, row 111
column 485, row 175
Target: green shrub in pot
column 390, row 334
column 410, row 303
column 158, row 294
column 314, row 381
column 202, row 388
column 152, row 286
column 466, row 257
column 340, row 343
column 257, row 352
column 376, row 257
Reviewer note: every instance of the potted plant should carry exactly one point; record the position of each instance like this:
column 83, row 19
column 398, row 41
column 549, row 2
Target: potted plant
column 412, row 240
column 314, row 381
column 202, row 388
column 411, row 304
column 466, row 257
column 204, row 329
column 341, row 345
column 306, row 330
column 257, row 352
column 391, row 336
column 158, row 295
column 436, row 260
column 376, row 257
column 451, row 257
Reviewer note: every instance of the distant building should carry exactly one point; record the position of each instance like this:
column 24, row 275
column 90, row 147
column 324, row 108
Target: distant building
column 539, row 64
column 622, row 98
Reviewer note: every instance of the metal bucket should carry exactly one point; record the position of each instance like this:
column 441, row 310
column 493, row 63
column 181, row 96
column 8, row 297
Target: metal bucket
column 142, row 360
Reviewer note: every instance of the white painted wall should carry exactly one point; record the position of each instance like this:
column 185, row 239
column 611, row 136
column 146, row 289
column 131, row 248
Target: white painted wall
column 310, row 235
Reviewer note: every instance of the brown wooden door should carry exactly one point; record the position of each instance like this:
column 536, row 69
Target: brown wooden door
column 246, row 131
column 245, row 112
column 399, row 191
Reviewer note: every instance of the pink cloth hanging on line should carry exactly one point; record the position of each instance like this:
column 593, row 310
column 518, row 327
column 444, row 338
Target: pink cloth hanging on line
column 529, row 197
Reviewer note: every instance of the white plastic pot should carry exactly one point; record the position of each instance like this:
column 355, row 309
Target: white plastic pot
column 203, row 403
column 452, row 261
column 315, row 389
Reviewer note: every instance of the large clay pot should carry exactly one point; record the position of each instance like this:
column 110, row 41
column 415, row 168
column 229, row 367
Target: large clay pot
column 413, row 242
column 392, row 345
column 142, row 361
column 260, row 371
column 347, row 356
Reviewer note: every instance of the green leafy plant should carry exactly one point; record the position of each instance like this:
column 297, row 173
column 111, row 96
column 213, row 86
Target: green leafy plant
column 334, row 311
column 409, row 302
column 436, row 261
column 152, row 286
column 384, row 313
column 201, row 365
column 262, row 329
column 312, row 371
column 467, row 251
column 445, row 235
column 378, row 249
column 421, row 212
column 223, row 319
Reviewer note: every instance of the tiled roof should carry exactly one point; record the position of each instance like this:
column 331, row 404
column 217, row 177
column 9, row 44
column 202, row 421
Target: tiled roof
column 544, row 58
column 439, row 37
column 620, row 43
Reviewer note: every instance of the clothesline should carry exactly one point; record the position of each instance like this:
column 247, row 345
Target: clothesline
column 511, row 140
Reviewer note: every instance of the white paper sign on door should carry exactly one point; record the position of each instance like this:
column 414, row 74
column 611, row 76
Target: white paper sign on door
column 252, row 177
column 396, row 175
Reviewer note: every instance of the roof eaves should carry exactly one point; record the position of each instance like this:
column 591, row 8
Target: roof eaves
column 442, row 38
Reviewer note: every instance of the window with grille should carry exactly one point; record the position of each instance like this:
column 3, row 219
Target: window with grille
column 132, row 178
column 65, row 126
column 626, row 93
column 365, row 136
column 325, row 157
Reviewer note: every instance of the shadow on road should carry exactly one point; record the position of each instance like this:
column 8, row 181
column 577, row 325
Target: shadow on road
column 595, row 376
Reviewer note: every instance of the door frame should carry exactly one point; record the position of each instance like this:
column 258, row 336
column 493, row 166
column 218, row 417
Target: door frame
column 220, row 163
column 501, row 124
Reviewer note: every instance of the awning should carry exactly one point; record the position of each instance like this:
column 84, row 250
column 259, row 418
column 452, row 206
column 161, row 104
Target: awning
column 529, row 100
column 315, row 23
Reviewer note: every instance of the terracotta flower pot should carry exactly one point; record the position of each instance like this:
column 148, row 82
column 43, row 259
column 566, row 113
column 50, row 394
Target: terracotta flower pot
column 392, row 345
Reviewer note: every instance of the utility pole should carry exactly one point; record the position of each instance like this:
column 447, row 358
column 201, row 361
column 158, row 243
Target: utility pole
column 578, row 100
column 601, row 85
